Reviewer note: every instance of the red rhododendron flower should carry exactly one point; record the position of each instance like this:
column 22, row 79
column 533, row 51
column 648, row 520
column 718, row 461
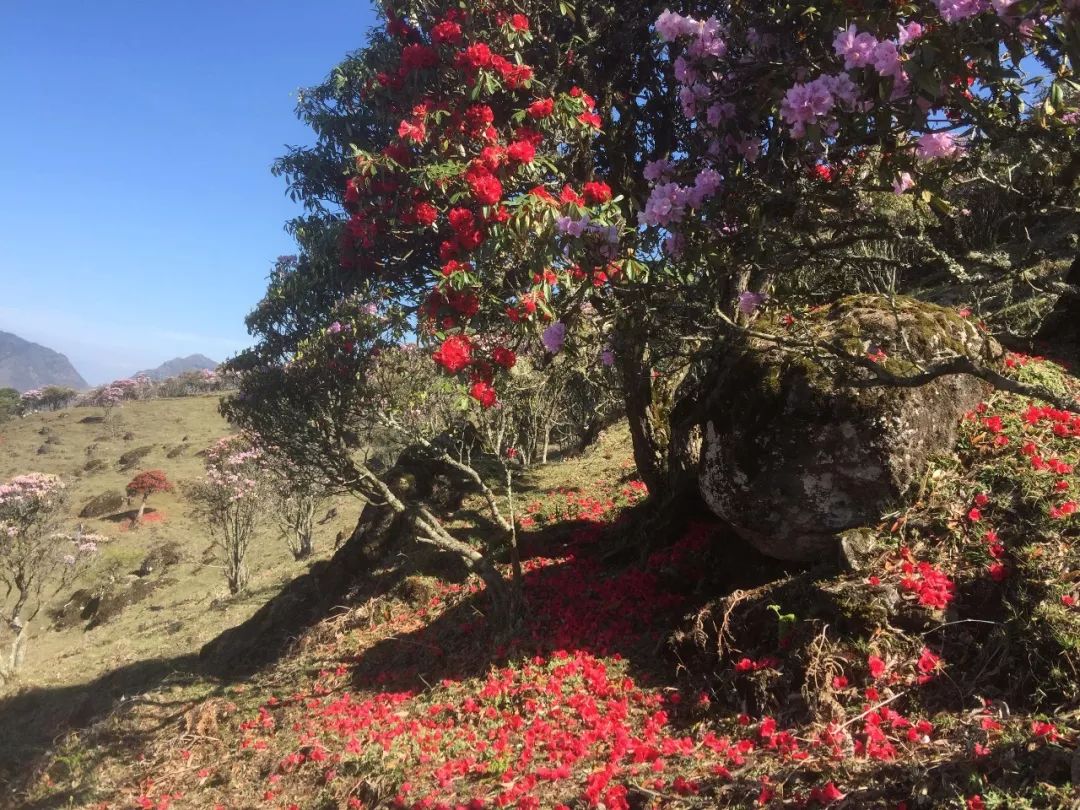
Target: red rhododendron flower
column 447, row 32
column 568, row 195
column 542, row 108
column 504, row 357
column 590, row 119
column 454, row 354
column 475, row 57
column 877, row 666
column 460, row 219
column 486, row 189
column 479, row 116
column 426, row 214
column 928, row 664
column 521, row 152
column 483, row 393
column 418, row 57
column 520, row 22
column 597, row 193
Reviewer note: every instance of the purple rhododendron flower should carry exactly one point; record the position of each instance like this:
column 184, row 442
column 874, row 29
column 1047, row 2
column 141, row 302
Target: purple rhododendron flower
column 554, row 337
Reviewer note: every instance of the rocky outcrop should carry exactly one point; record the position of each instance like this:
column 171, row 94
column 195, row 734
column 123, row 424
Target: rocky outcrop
column 798, row 448
column 107, row 503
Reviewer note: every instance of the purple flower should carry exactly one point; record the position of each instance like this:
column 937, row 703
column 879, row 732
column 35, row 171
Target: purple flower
column 554, row 337
column 607, row 357
column 334, row 328
column 750, row 301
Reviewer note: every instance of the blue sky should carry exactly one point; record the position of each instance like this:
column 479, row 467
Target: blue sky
column 138, row 215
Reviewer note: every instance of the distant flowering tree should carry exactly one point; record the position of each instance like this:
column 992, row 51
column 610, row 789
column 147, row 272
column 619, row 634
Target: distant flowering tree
column 49, row 398
column 34, row 560
column 143, row 486
column 231, row 498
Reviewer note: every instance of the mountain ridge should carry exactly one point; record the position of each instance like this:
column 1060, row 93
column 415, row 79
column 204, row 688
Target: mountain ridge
column 178, row 365
column 25, row 365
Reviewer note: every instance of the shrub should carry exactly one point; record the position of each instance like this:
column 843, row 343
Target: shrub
column 143, row 486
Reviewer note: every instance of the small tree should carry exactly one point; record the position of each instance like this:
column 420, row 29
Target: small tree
column 32, row 555
column 230, row 499
column 297, row 494
column 9, row 403
column 144, row 485
column 57, row 397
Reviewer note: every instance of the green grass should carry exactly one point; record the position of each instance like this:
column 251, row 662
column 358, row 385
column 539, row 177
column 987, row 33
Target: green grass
column 189, row 603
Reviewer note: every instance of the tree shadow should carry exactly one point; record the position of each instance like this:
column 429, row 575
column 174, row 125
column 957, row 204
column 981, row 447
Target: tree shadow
column 34, row 719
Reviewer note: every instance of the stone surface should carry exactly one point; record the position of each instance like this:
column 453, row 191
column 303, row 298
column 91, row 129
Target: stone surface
column 107, row 503
column 796, row 452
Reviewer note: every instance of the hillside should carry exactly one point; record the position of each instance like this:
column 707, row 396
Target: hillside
column 179, row 365
column 128, row 629
column 937, row 670
column 25, row 366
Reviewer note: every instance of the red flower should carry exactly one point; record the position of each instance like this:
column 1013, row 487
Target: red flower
column 975, row 803
column 426, row 214
column 928, row 662
column 418, row 57
column 486, row 189
column 520, row 22
column 568, row 195
column 877, row 666
column 447, row 32
column 461, row 219
column 454, row 354
column 410, row 131
column 483, row 393
column 597, row 193
column 542, row 108
column 521, row 152
column 504, row 357
column 478, row 116
column 590, row 119
column 475, row 57
column 998, row 572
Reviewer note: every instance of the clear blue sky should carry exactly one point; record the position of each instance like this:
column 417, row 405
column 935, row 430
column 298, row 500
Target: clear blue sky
column 138, row 215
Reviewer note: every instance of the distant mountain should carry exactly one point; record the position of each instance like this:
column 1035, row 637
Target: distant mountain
column 25, row 366
column 178, row 365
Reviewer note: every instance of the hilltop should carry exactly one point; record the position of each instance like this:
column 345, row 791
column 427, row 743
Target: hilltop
column 179, row 365
column 25, row 366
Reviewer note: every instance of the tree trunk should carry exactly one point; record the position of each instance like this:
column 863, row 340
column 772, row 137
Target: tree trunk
column 647, row 433
column 142, row 510
column 17, row 651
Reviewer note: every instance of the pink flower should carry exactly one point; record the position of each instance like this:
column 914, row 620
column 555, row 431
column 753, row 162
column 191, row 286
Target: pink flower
column 902, row 183
column 954, row 10
column 937, row 145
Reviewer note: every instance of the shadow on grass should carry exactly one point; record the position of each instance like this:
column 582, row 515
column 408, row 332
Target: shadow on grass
column 34, row 719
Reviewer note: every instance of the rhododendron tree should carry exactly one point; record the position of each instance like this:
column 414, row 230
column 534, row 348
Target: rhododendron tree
column 50, row 397
column 492, row 187
column 231, row 498
column 144, row 485
column 34, row 560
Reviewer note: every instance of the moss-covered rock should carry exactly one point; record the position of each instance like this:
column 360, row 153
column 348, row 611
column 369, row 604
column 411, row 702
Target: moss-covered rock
column 798, row 447
column 107, row 503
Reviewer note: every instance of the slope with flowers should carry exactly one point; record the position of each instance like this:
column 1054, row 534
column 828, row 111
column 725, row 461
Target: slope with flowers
column 940, row 673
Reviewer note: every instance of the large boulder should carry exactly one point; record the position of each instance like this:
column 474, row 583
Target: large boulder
column 796, row 451
column 107, row 503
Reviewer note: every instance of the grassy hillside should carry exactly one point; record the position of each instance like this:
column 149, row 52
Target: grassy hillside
column 146, row 624
column 938, row 668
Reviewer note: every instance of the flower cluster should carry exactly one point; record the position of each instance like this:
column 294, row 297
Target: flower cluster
column 479, row 101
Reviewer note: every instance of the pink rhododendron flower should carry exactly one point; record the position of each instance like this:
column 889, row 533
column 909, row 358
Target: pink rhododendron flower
column 937, row 145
